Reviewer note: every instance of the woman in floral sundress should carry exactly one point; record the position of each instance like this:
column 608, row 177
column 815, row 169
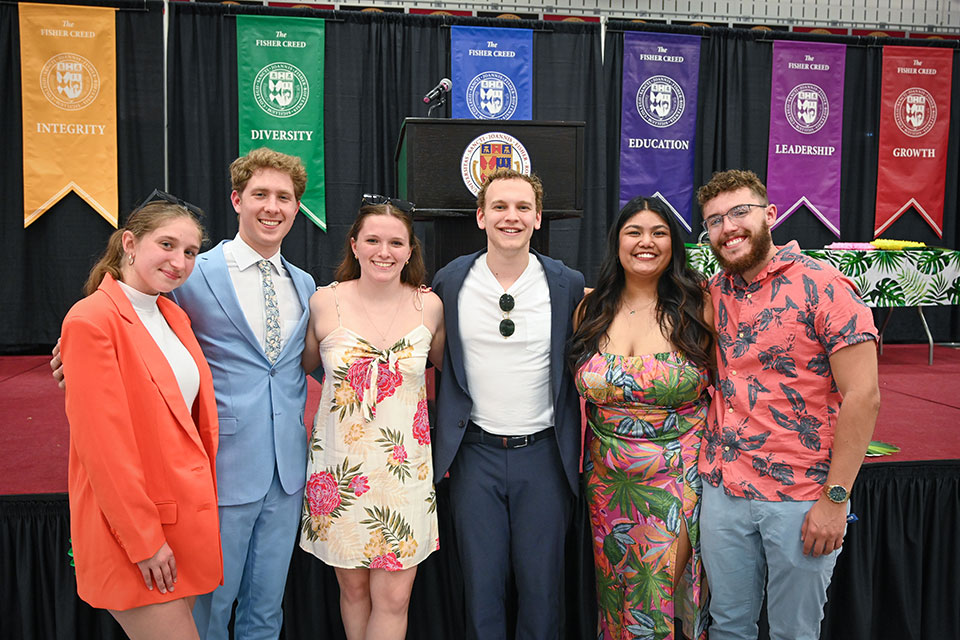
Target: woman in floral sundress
column 641, row 353
column 369, row 507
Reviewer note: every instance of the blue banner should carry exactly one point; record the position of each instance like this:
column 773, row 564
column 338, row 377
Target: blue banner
column 492, row 73
column 659, row 119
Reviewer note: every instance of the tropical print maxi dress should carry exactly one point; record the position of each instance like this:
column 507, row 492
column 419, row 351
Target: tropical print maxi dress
column 369, row 500
column 645, row 415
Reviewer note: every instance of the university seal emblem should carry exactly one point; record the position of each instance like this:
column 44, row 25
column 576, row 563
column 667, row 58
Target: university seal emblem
column 491, row 151
column 492, row 95
column 281, row 89
column 69, row 81
column 660, row 101
column 807, row 108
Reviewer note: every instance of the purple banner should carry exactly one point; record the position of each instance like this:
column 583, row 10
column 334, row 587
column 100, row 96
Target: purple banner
column 659, row 119
column 806, row 125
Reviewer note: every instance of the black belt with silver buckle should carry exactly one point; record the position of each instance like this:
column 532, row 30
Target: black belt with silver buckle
column 476, row 434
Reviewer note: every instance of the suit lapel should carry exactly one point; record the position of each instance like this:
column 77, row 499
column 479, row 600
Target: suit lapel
column 558, row 323
column 302, row 286
column 213, row 267
column 153, row 359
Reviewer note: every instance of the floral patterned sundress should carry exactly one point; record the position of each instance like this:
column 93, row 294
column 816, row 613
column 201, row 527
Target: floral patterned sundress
column 646, row 415
column 370, row 501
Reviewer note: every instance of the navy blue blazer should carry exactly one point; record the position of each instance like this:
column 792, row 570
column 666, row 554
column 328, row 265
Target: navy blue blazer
column 453, row 398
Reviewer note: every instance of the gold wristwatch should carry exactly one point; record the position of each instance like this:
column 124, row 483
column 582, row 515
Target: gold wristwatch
column 836, row 493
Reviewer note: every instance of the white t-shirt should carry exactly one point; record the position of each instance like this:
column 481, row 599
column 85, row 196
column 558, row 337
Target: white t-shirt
column 508, row 378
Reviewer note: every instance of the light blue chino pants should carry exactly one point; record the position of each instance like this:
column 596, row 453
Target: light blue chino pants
column 749, row 544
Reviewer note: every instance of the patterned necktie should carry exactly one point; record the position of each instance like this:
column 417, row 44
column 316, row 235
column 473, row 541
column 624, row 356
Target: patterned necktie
column 272, row 347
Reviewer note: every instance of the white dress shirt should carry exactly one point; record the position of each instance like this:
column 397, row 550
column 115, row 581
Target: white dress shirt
column 242, row 264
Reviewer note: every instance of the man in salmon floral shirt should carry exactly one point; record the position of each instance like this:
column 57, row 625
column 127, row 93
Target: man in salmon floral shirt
column 792, row 414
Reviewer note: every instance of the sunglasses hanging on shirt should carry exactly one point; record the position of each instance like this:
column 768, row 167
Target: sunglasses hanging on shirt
column 507, row 327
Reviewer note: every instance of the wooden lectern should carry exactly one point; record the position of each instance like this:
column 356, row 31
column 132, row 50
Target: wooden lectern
column 433, row 168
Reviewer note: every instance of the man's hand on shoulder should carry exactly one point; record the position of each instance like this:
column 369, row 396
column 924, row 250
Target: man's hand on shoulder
column 56, row 363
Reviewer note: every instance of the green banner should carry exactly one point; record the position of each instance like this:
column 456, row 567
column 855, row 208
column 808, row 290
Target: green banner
column 280, row 79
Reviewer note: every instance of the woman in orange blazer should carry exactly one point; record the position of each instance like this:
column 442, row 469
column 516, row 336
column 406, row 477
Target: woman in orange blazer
column 143, row 432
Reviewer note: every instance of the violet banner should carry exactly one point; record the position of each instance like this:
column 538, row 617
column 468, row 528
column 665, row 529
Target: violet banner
column 806, row 128
column 658, row 121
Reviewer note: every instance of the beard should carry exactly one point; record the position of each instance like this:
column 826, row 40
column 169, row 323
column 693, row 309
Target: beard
column 760, row 243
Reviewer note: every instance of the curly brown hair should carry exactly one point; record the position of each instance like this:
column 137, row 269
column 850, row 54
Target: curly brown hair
column 731, row 180
column 244, row 167
column 511, row 174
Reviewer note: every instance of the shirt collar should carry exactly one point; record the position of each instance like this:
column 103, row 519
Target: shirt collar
column 246, row 256
column 783, row 258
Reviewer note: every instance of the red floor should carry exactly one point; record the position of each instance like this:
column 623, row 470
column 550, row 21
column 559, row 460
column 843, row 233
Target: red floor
column 920, row 413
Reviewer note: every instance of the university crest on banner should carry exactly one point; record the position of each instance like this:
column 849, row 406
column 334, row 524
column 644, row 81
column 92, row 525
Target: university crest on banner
column 280, row 80
column 806, row 129
column 914, row 132
column 492, row 73
column 69, row 96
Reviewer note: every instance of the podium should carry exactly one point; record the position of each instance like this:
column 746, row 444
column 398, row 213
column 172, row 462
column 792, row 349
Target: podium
column 436, row 158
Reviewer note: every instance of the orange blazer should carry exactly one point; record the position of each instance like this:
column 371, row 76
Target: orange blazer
column 142, row 464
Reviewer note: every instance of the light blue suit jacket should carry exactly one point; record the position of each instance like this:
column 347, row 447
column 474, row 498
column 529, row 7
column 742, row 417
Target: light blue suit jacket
column 260, row 406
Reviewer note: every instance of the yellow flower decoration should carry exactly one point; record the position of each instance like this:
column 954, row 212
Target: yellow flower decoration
column 344, row 395
column 408, row 548
column 353, row 434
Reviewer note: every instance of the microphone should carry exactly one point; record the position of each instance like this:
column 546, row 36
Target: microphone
column 442, row 87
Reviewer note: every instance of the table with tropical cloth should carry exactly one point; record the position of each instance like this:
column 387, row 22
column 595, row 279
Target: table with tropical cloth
column 888, row 279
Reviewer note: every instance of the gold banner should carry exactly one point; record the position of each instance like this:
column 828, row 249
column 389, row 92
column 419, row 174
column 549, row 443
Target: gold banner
column 68, row 68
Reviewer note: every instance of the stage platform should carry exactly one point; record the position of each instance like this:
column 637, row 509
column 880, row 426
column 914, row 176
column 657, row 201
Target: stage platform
column 896, row 577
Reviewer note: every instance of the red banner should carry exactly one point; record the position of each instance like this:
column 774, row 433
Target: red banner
column 914, row 128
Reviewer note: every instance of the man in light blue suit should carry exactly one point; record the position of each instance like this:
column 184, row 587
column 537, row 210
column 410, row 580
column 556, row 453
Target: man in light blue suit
column 249, row 309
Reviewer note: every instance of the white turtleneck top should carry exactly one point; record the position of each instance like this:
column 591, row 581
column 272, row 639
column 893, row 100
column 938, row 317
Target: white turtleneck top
column 180, row 360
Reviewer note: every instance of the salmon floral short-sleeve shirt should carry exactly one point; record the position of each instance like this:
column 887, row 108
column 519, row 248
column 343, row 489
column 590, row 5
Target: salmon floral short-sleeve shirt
column 771, row 425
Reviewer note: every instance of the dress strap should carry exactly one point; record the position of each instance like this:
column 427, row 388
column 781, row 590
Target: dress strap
column 336, row 300
column 422, row 289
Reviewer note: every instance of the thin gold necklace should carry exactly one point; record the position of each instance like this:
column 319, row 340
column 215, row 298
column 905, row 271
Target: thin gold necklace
column 396, row 311
column 633, row 311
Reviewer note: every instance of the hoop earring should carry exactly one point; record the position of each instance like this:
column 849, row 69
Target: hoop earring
column 130, row 259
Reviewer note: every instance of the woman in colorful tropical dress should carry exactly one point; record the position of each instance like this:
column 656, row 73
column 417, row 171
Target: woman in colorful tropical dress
column 370, row 507
column 641, row 353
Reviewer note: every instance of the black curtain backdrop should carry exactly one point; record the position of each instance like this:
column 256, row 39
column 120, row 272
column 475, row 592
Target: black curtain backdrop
column 47, row 263
column 733, row 120
column 894, row 580
column 377, row 67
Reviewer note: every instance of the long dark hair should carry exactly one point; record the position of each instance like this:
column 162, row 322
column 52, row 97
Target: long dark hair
column 413, row 273
column 680, row 296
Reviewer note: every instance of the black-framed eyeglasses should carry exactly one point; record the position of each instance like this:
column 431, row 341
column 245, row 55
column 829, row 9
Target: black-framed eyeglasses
column 162, row 196
column 735, row 214
column 398, row 204
column 507, row 326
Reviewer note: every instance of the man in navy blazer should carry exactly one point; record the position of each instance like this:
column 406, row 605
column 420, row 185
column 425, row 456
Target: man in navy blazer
column 508, row 421
column 260, row 389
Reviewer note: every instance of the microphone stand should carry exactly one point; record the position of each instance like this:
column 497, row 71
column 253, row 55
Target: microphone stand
column 442, row 100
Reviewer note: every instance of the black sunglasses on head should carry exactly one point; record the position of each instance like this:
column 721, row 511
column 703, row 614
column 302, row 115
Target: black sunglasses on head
column 398, row 204
column 162, row 196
